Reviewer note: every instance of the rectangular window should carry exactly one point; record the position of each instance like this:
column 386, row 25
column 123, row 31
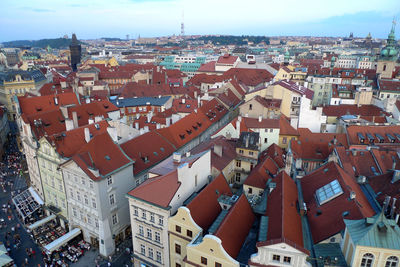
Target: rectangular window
column 91, row 184
column 217, row 264
column 74, row 212
column 241, row 151
column 178, row 228
column 109, row 180
column 157, row 237
column 142, row 249
column 151, row 217
column 94, row 203
column 89, row 219
column 265, row 140
column 86, row 199
column 251, row 153
column 178, row 249
column 112, row 199
column 144, row 214
column 135, row 211
column 96, row 222
column 78, row 196
column 160, row 220
column 284, row 140
column 238, row 177
column 177, row 265
column 150, row 253
column 276, row 257
column 203, row 260
column 114, row 219
column 141, row 231
column 149, row 234
column 83, row 181
column 189, row 233
column 287, row 259
column 158, row 256
column 71, row 193
column 238, row 163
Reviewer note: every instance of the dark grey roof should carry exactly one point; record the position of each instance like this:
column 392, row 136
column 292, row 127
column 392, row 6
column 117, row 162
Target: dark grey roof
column 140, row 101
column 9, row 76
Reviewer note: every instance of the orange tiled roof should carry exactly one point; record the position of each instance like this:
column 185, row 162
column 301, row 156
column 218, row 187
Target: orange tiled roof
column 204, row 208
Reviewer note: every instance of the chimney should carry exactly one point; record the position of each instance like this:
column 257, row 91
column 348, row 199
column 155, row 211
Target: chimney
column 87, row 135
column 239, row 118
column 158, row 126
column 195, row 94
column 393, row 208
column 354, row 152
column 218, row 150
column 91, row 120
column 98, row 118
column 75, row 119
column 198, row 102
column 188, row 154
column 69, row 124
column 112, row 131
column 56, row 100
column 394, row 165
column 137, row 125
column 183, row 100
column 238, row 127
column 259, row 118
column 64, row 111
column 146, row 129
column 334, row 140
column 352, row 195
column 176, row 156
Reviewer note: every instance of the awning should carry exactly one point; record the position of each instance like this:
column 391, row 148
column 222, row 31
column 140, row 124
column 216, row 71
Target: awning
column 41, row 222
column 4, row 258
column 56, row 244
column 36, row 196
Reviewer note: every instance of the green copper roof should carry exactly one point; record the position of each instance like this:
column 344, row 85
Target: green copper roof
column 376, row 231
column 329, row 251
column 263, row 230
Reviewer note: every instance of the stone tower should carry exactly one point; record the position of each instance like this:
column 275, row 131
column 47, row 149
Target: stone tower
column 75, row 50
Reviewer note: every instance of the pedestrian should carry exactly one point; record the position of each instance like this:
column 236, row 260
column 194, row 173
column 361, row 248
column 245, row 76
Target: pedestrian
column 26, row 260
column 108, row 264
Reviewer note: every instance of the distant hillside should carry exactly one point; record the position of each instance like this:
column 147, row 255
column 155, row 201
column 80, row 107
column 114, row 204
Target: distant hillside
column 43, row 43
column 235, row 40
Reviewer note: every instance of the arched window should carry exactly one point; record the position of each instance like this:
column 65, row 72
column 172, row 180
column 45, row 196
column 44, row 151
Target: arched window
column 367, row 260
column 392, row 261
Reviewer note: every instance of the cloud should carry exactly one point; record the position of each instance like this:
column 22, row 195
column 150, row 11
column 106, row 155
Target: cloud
column 41, row 10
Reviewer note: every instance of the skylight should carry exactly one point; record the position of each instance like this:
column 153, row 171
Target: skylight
column 328, row 192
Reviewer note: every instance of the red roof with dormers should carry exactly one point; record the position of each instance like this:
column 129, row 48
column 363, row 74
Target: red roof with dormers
column 233, row 231
column 133, row 89
column 205, row 208
column 254, row 123
column 284, row 221
column 326, row 220
column 353, row 132
column 46, row 123
column 389, row 85
column 53, row 89
column 33, row 105
column 91, row 110
column 102, row 154
column 276, row 153
column 193, row 124
column 147, row 149
column 68, row 143
column 189, row 106
column 268, row 103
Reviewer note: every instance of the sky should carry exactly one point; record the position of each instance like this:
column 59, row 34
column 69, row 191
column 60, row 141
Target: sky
column 91, row 19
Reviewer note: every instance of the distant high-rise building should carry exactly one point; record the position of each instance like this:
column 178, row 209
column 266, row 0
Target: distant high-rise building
column 182, row 26
column 75, row 50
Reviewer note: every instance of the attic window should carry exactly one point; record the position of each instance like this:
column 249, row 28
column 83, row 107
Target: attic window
column 328, row 192
column 189, row 131
column 162, row 149
column 107, row 157
column 155, row 153
column 182, row 136
column 38, row 109
column 194, row 127
column 200, row 124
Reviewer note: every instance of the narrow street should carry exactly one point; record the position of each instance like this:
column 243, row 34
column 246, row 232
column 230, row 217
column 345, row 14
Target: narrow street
column 12, row 182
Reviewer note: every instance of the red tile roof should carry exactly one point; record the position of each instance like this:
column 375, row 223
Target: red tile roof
column 54, row 88
column 70, row 142
column 158, row 190
column 103, row 154
column 268, row 103
column 146, row 150
column 284, row 221
column 276, row 153
column 249, row 77
column 227, row 59
column 205, row 208
column 292, row 86
column 33, row 105
column 327, row 219
column 261, row 173
column 47, row 122
column 383, row 186
column 228, row 151
column 207, row 67
column 132, row 89
column 286, row 128
column 363, row 110
column 253, row 123
column 91, row 110
column 383, row 131
column 389, row 85
column 307, row 136
column 232, row 231
column 194, row 124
